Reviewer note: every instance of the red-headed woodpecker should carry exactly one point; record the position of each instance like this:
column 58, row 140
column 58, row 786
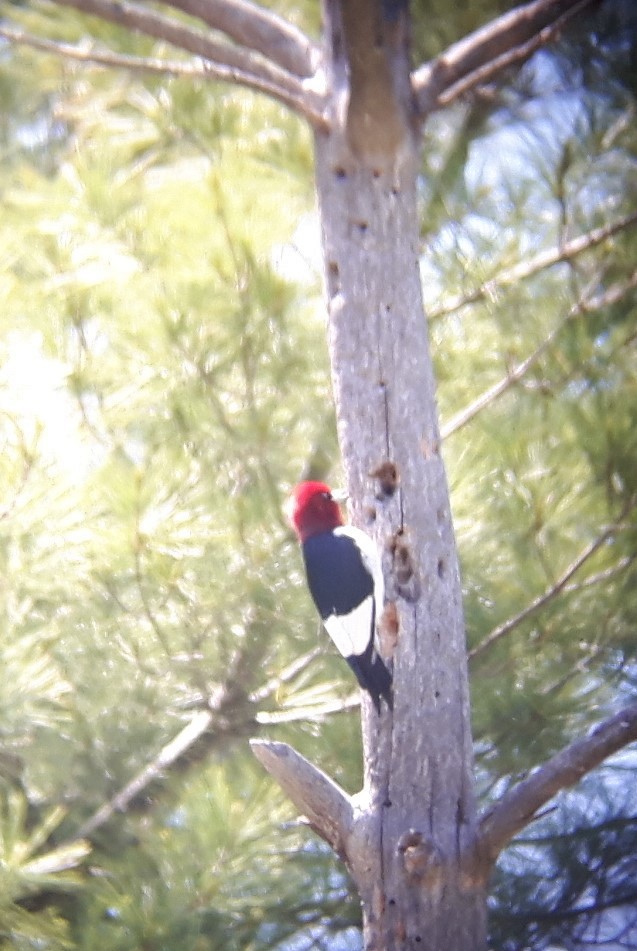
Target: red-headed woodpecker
column 345, row 579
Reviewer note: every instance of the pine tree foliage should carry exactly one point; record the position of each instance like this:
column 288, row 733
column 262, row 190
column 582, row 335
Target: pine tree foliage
column 558, row 491
column 164, row 379
column 593, row 837
column 573, row 409
column 28, row 869
column 149, row 365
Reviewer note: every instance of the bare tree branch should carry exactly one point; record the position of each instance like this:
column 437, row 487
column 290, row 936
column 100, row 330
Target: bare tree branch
column 604, row 575
column 259, row 29
column 539, row 262
column 490, row 395
column 519, row 805
column 166, row 757
column 274, row 56
column 148, row 21
column 327, row 807
column 507, row 626
column 304, row 102
column 205, row 729
column 472, row 61
column 239, row 65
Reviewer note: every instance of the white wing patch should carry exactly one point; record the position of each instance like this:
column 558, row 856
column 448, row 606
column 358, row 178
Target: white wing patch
column 352, row 632
column 371, row 560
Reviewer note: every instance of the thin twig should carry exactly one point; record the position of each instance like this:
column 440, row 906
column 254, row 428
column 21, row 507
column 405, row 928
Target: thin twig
column 519, row 805
column 609, row 297
column 604, row 575
column 144, row 19
column 491, row 394
column 166, row 757
column 539, row 262
column 209, row 722
column 507, row 626
column 305, row 102
column 312, row 713
column 285, row 675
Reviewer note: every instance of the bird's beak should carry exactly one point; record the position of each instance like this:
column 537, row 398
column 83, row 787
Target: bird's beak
column 340, row 495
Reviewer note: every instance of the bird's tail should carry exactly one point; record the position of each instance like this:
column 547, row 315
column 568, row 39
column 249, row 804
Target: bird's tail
column 373, row 676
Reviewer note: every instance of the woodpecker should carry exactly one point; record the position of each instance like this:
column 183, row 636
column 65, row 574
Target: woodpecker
column 345, row 579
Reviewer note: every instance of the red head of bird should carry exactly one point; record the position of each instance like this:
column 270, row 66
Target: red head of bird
column 313, row 509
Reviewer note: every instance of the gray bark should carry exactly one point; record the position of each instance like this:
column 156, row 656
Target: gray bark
column 411, row 837
column 427, row 893
column 412, row 851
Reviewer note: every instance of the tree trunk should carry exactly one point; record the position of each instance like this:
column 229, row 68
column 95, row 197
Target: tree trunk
column 411, row 838
column 412, row 850
column 412, row 855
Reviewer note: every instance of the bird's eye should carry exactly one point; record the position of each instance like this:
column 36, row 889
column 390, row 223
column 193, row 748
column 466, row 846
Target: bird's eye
column 327, row 496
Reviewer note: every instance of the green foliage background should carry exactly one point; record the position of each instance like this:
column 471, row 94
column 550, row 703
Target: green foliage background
column 164, row 380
